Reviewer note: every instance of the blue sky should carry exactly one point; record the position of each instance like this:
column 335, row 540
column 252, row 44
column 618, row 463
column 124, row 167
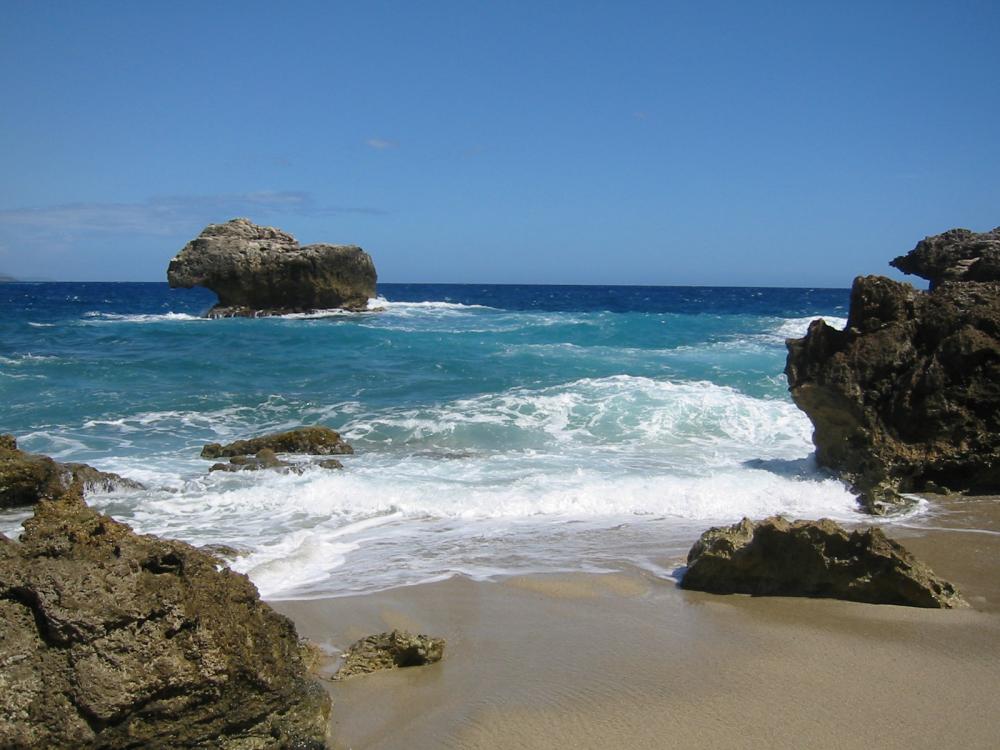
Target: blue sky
column 743, row 143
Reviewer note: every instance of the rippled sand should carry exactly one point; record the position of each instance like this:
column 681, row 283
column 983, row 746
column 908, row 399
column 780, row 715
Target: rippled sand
column 631, row 661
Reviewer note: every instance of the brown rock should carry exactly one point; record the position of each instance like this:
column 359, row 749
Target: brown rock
column 265, row 459
column 907, row 397
column 259, row 270
column 316, row 441
column 956, row 255
column 390, row 651
column 109, row 639
column 26, row 478
column 775, row 557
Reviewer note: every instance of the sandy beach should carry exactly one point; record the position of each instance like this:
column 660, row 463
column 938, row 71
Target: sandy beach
column 630, row 660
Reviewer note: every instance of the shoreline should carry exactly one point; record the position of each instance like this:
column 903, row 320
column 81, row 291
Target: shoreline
column 631, row 660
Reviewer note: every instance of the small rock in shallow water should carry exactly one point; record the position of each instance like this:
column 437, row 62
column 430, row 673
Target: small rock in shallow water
column 265, row 459
column 776, row 557
column 390, row 651
column 314, row 441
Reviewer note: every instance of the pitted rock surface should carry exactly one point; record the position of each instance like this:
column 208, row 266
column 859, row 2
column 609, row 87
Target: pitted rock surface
column 109, row 639
column 258, row 270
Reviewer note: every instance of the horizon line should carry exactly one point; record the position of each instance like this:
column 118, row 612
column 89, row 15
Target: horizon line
column 11, row 280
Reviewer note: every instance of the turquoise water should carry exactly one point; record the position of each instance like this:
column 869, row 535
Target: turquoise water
column 498, row 429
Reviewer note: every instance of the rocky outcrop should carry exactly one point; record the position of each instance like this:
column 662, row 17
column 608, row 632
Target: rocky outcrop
column 907, row 397
column 775, row 557
column 109, row 639
column 263, row 271
column 26, row 478
column 390, row 651
column 313, row 441
column 956, row 255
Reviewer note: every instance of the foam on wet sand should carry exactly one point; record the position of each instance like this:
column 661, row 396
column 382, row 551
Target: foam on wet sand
column 629, row 660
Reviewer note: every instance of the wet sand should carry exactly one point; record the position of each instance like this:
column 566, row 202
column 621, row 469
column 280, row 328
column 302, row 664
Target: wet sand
column 629, row 660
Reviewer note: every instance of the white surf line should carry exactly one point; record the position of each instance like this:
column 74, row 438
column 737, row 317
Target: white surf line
column 945, row 528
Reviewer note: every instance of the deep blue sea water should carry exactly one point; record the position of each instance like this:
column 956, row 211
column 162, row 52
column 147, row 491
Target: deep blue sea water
column 498, row 429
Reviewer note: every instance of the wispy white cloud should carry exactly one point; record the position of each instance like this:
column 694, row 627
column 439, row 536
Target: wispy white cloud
column 381, row 144
column 166, row 215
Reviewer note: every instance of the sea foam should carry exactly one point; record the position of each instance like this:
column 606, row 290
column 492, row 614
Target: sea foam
column 517, row 468
column 497, row 430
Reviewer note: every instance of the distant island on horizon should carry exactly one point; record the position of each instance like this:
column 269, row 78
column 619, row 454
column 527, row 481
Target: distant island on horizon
column 8, row 279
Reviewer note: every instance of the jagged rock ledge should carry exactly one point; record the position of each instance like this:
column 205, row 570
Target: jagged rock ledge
column 907, row 397
column 955, row 255
column 775, row 557
column 257, row 271
column 109, row 639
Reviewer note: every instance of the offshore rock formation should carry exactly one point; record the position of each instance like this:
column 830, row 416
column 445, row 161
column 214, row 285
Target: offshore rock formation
column 109, row 639
column 907, row 397
column 774, row 557
column 26, row 478
column 390, row 651
column 263, row 271
column 313, row 441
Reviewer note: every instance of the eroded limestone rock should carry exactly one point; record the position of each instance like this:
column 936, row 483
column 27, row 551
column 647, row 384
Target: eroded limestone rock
column 776, row 557
column 259, row 270
column 313, row 441
column 390, row 651
column 26, row 478
column 109, row 639
column 956, row 255
column 907, row 397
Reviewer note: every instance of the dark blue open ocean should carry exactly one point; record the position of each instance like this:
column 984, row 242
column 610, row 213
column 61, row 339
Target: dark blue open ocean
column 498, row 429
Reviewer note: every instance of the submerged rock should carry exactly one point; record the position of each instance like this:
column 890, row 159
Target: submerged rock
column 259, row 270
column 390, row 651
column 313, row 441
column 26, row 478
column 775, row 557
column 264, row 459
column 224, row 552
column 267, row 459
column 907, row 397
column 109, row 639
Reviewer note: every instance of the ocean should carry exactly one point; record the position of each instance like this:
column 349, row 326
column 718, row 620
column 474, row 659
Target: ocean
column 498, row 429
